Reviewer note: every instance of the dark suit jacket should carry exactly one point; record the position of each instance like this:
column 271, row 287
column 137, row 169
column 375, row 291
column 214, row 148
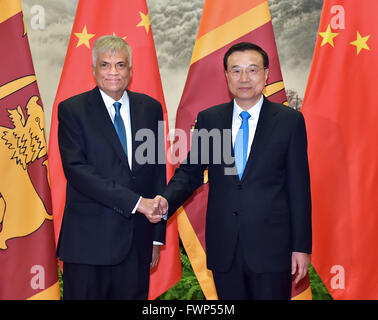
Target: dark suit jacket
column 98, row 227
column 269, row 209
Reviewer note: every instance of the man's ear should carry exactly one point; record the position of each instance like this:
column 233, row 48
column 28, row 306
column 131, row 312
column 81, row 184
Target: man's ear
column 266, row 74
column 227, row 75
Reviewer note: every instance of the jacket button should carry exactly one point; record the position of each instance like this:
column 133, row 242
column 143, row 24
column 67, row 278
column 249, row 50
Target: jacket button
column 235, row 213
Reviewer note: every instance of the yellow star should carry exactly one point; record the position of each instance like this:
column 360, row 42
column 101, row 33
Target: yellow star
column 145, row 22
column 84, row 37
column 124, row 38
column 328, row 36
column 360, row 43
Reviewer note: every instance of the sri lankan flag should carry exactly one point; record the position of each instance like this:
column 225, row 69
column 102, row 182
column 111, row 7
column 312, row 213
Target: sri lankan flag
column 27, row 247
column 223, row 24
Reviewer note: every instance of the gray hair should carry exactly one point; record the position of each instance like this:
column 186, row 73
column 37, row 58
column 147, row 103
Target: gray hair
column 112, row 44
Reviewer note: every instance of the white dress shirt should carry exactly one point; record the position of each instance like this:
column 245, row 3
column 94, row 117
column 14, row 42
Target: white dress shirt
column 125, row 114
column 254, row 111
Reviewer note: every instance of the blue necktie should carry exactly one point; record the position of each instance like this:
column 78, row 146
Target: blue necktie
column 120, row 126
column 241, row 144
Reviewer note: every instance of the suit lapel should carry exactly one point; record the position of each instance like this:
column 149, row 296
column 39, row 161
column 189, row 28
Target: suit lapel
column 226, row 116
column 226, row 124
column 100, row 116
column 263, row 129
column 136, row 120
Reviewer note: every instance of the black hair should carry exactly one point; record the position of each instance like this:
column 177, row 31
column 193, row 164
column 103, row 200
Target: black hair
column 244, row 46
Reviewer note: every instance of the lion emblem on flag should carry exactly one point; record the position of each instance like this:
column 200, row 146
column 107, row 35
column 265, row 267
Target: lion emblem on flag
column 21, row 211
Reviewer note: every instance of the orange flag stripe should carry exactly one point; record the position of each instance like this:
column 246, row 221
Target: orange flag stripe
column 196, row 254
column 230, row 31
column 305, row 295
column 9, row 8
column 273, row 88
column 222, row 12
column 48, row 294
column 15, row 85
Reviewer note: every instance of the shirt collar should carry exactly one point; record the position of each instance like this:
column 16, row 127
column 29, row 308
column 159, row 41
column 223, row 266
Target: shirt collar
column 109, row 101
column 254, row 111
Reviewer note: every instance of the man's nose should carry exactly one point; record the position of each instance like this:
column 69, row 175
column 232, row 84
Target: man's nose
column 244, row 77
column 113, row 69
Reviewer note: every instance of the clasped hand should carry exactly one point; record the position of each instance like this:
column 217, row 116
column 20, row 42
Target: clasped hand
column 153, row 209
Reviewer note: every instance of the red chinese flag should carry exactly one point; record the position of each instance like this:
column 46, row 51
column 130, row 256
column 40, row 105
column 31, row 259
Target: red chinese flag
column 129, row 20
column 222, row 25
column 340, row 108
column 28, row 267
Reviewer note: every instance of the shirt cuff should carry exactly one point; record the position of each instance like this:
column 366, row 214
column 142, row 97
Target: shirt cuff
column 136, row 206
column 158, row 243
column 165, row 215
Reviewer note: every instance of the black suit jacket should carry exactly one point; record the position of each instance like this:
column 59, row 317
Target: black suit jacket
column 98, row 227
column 269, row 209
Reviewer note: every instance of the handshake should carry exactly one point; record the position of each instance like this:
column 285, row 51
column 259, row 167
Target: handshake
column 153, row 209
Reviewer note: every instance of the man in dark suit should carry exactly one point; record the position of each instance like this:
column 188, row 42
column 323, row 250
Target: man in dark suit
column 109, row 222
column 258, row 222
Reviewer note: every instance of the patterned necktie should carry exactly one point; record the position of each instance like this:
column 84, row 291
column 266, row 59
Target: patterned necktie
column 120, row 126
column 241, row 144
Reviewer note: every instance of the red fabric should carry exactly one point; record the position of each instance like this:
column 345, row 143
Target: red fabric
column 27, row 249
column 340, row 108
column 119, row 17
